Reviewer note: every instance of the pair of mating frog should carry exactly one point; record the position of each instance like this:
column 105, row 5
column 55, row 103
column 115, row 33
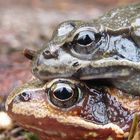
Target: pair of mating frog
column 87, row 84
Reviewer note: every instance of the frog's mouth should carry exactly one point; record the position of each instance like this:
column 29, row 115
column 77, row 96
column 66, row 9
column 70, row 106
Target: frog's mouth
column 105, row 69
column 101, row 69
column 86, row 73
column 102, row 73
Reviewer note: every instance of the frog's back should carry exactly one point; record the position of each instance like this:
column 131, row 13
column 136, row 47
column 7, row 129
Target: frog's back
column 120, row 17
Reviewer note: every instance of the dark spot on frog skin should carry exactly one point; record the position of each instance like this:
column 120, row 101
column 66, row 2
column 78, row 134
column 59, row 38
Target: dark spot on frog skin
column 75, row 64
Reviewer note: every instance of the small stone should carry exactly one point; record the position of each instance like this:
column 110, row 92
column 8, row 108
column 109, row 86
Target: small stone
column 5, row 121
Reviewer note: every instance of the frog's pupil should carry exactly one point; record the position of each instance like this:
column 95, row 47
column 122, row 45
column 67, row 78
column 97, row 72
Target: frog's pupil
column 62, row 93
column 85, row 37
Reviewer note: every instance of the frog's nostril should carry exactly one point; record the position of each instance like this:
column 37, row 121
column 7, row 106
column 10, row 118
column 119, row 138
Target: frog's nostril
column 48, row 55
column 25, row 96
column 47, row 52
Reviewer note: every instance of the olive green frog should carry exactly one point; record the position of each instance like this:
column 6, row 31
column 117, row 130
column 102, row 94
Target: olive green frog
column 105, row 48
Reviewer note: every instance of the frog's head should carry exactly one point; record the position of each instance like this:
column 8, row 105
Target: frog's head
column 74, row 44
column 86, row 50
column 70, row 110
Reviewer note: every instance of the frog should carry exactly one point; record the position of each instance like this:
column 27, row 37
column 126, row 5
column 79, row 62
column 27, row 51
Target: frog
column 68, row 109
column 105, row 48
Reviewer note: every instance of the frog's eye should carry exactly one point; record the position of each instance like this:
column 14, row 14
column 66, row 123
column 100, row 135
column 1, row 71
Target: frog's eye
column 24, row 96
column 64, row 94
column 85, row 42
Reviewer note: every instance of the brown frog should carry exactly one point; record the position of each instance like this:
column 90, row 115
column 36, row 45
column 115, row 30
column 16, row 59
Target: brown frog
column 66, row 109
column 105, row 48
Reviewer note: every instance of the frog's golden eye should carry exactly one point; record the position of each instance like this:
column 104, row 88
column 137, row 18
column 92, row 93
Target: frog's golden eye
column 64, row 94
column 24, row 96
column 85, row 42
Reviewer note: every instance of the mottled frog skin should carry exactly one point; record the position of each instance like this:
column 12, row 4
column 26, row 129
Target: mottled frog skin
column 105, row 48
column 65, row 109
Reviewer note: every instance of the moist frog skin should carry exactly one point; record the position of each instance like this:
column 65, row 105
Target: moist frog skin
column 105, row 48
column 66, row 109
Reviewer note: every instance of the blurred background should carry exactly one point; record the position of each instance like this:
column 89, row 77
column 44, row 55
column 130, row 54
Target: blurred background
column 28, row 24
